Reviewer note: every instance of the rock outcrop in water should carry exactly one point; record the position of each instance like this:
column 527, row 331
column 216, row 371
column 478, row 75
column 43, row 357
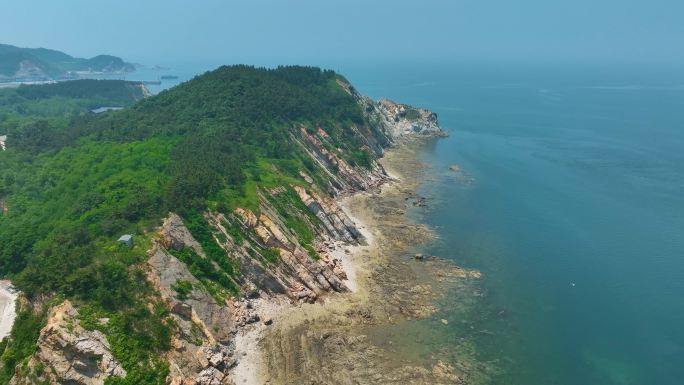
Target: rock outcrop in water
column 395, row 120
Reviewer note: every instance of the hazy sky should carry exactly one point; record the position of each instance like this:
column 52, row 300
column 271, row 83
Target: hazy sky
column 326, row 31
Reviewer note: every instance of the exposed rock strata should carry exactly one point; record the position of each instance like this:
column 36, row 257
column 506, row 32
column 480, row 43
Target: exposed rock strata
column 335, row 221
column 69, row 354
column 298, row 276
column 174, row 235
column 390, row 121
column 342, row 175
column 202, row 351
column 359, row 340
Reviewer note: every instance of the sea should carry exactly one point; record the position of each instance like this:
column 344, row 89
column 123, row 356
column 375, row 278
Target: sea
column 569, row 198
column 570, row 201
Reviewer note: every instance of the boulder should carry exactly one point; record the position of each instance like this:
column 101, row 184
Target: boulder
column 249, row 220
column 71, row 354
column 174, row 235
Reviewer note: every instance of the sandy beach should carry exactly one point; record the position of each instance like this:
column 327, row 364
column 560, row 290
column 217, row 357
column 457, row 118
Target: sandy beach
column 8, row 298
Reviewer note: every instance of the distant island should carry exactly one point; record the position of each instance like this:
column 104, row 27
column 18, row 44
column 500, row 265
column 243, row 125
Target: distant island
column 40, row 64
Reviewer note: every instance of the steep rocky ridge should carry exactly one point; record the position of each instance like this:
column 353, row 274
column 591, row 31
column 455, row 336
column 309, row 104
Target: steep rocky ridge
column 201, row 348
column 390, row 121
column 203, row 352
column 280, row 249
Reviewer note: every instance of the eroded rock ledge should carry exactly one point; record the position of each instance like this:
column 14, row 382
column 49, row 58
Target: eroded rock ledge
column 364, row 339
column 69, row 354
column 203, row 350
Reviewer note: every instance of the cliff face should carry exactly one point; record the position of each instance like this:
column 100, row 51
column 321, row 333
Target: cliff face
column 280, row 249
column 202, row 352
column 392, row 120
column 210, row 357
column 69, row 354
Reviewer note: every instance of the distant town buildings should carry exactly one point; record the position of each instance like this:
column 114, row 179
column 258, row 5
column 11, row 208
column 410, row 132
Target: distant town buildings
column 3, row 139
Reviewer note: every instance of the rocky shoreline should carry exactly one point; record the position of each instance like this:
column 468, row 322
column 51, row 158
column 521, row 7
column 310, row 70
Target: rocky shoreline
column 340, row 340
column 329, row 278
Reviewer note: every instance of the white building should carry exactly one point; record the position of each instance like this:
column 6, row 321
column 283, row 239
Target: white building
column 3, row 139
column 127, row 239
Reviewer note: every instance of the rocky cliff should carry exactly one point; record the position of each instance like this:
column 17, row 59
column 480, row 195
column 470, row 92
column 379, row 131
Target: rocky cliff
column 69, row 354
column 279, row 249
column 203, row 350
column 392, row 120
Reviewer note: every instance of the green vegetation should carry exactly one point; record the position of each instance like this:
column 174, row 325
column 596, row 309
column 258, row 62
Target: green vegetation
column 271, row 256
column 182, row 288
column 222, row 267
column 65, row 206
column 235, row 231
column 298, row 218
column 36, row 118
column 74, row 182
column 412, row 114
column 64, row 98
column 24, row 333
column 136, row 336
column 213, row 278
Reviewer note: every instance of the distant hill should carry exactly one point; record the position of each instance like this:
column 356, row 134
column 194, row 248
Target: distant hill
column 42, row 63
column 66, row 98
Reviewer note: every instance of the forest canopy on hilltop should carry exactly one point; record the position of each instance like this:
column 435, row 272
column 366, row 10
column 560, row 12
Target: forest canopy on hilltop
column 73, row 181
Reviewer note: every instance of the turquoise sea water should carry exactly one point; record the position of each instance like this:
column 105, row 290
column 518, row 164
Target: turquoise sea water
column 571, row 202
